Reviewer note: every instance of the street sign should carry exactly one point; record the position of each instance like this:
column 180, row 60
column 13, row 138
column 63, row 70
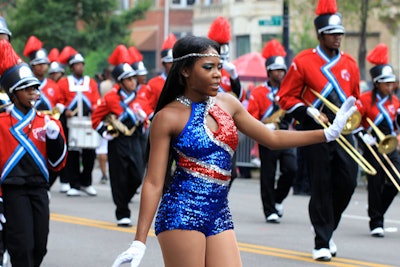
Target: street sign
column 273, row 21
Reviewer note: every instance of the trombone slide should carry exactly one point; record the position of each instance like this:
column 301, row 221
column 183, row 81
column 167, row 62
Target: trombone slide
column 385, row 169
column 351, row 150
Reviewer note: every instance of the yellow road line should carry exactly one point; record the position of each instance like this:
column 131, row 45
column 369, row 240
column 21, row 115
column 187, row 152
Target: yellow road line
column 245, row 247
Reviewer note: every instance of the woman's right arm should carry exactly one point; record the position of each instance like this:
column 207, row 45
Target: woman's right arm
column 160, row 137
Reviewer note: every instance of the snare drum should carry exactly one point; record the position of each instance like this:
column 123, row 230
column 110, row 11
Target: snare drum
column 81, row 134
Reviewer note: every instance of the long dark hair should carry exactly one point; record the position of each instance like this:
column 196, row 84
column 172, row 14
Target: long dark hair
column 175, row 84
column 375, row 90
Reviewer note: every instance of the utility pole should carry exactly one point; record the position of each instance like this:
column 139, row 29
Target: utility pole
column 285, row 33
column 166, row 18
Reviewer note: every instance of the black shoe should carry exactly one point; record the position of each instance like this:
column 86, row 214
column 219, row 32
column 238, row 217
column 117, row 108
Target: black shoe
column 104, row 179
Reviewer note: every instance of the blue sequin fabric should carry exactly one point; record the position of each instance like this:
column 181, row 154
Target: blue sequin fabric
column 197, row 198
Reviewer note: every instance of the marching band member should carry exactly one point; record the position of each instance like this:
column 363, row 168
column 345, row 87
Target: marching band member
column 5, row 33
column 49, row 95
column 335, row 75
column 56, row 70
column 78, row 89
column 156, row 84
column 125, row 151
column 220, row 31
column 381, row 106
column 138, row 66
column 35, row 144
column 263, row 104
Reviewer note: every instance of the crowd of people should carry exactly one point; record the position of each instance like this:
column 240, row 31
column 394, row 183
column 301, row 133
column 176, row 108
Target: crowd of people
column 176, row 135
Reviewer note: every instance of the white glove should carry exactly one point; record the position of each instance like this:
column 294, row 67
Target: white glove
column 345, row 111
column 270, row 126
column 230, row 68
column 107, row 136
column 141, row 115
column 60, row 107
column 139, row 112
column 133, row 254
column 313, row 113
column 9, row 108
column 369, row 139
column 51, row 127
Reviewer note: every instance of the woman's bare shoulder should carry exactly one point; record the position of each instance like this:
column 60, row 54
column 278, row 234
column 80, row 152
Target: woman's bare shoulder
column 172, row 118
column 229, row 103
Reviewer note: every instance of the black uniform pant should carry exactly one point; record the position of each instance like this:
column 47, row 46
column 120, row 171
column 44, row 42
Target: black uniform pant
column 125, row 179
column 333, row 178
column 271, row 194
column 76, row 177
column 381, row 190
column 27, row 227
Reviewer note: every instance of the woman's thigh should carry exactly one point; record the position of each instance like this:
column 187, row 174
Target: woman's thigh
column 182, row 248
column 222, row 250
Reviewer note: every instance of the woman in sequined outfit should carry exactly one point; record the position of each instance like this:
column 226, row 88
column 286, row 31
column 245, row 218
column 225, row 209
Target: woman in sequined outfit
column 197, row 127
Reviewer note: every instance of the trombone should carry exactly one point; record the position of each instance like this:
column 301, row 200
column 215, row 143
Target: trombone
column 378, row 159
column 387, row 143
column 352, row 123
column 345, row 144
column 275, row 118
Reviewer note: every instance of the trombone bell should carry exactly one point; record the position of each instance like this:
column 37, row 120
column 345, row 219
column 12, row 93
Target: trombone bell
column 387, row 145
column 352, row 123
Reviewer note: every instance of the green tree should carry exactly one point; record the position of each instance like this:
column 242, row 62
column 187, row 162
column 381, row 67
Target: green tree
column 93, row 27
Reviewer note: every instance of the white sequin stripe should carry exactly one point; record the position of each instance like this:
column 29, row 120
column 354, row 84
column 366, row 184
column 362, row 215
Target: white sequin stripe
column 205, row 165
column 206, row 177
column 227, row 148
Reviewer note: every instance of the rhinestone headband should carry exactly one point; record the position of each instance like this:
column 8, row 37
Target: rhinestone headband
column 196, row 55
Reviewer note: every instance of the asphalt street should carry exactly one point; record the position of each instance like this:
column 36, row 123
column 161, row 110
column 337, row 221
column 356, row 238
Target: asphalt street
column 83, row 231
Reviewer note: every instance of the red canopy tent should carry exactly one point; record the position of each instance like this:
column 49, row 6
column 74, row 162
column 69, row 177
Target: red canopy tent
column 251, row 67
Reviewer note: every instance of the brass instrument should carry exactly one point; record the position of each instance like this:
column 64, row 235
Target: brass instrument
column 275, row 118
column 115, row 126
column 387, row 143
column 352, row 123
column 55, row 113
column 351, row 150
column 385, row 169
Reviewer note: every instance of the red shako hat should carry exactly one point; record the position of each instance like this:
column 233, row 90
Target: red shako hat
column 274, row 53
column 121, row 59
column 70, row 56
column 35, row 52
column 383, row 71
column 328, row 20
column 166, row 49
column 15, row 74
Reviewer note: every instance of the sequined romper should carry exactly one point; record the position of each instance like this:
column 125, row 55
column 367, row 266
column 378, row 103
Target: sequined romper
column 197, row 198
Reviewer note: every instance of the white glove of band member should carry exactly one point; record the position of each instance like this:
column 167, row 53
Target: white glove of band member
column 230, row 68
column 270, row 126
column 133, row 254
column 345, row 111
column 107, row 136
column 51, row 127
column 60, row 107
column 2, row 218
column 369, row 139
column 9, row 108
column 313, row 113
column 141, row 115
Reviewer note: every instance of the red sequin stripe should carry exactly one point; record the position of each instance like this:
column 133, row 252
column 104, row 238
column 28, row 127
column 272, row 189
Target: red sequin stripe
column 204, row 171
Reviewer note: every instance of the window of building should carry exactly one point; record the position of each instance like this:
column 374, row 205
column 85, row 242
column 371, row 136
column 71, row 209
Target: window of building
column 123, row 4
column 242, row 45
column 268, row 37
column 183, row 3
